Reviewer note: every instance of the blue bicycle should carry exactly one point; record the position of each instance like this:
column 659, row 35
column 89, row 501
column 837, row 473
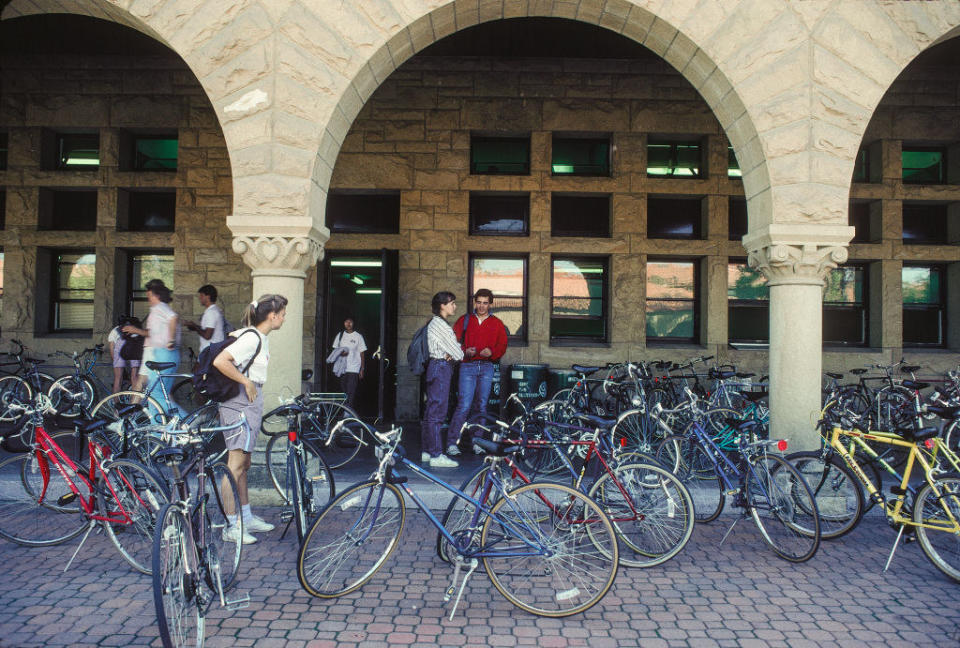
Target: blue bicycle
column 549, row 549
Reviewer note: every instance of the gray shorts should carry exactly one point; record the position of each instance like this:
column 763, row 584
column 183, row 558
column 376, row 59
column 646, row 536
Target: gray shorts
column 239, row 438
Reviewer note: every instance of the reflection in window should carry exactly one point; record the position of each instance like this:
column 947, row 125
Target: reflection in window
column 500, row 155
column 923, row 165
column 143, row 268
column 924, row 311
column 78, row 151
column 733, row 165
column 672, row 301
column 147, row 211
column 507, row 279
column 499, row 214
column 748, row 301
column 581, row 156
column 155, row 153
column 845, row 314
column 578, row 299
column 674, row 218
column 75, row 284
column 924, row 223
column 364, row 213
column 673, row 159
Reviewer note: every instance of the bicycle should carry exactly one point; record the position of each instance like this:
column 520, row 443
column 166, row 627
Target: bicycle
column 549, row 549
column 82, row 380
column 20, row 387
column 194, row 563
column 120, row 495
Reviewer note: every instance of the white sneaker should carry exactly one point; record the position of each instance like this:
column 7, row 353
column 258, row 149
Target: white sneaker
column 453, row 450
column 443, row 461
column 253, row 524
column 478, row 450
column 231, row 532
column 424, row 457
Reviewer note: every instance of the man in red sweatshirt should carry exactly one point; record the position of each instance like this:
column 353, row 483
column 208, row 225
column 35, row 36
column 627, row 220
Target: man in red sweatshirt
column 484, row 341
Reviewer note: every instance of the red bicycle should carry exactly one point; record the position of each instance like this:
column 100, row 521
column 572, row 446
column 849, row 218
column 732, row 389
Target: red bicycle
column 39, row 509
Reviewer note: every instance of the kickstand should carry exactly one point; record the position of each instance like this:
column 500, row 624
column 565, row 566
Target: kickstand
column 724, row 538
column 289, row 521
column 453, row 585
column 90, row 527
column 895, row 544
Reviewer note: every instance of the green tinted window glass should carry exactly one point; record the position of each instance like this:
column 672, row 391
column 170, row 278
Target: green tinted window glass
column 688, row 160
column 155, row 154
column 500, row 155
column 733, row 165
column 745, row 283
column 581, row 156
column 921, row 285
column 671, row 300
column 79, row 151
column 861, row 167
column 506, row 279
column 577, row 307
column 673, row 159
column 659, row 159
column 924, row 166
column 844, row 286
column 76, row 281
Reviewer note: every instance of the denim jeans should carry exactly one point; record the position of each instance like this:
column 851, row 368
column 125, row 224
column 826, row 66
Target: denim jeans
column 476, row 378
column 439, row 373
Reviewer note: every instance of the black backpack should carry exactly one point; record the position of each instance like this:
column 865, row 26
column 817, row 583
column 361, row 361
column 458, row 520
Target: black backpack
column 132, row 348
column 418, row 353
column 207, row 379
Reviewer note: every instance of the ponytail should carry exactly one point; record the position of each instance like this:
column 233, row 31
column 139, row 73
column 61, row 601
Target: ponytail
column 258, row 310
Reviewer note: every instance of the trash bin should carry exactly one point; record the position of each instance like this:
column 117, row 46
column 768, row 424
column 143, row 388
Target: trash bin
column 496, row 393
column 529, row 382
column 558, row 379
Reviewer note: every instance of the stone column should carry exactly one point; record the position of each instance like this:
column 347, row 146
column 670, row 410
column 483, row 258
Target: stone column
column 279, row 265
column 795, row 268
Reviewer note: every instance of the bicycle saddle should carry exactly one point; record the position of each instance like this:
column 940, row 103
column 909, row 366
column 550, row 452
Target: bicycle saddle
column 745, row 374
column 834, row 375
column 919, row 435
column 170, row 455
column 127, row 410
column 944, row 412
column 858, row 372
column 910, row 368
column 720, row 374
column 754, row 396
column 35, row 360
column 160, row 366
column 915, row 384
column 584, row 369
column 496, row 448
column 86, row 427
column 738, row 424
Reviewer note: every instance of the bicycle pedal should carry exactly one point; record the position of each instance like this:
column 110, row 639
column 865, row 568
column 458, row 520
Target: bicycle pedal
column 238, row 603
column 69, row 498
column 732, row 491
column 286, row 516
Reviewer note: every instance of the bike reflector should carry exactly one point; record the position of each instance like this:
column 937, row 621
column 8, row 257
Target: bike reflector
column 782, row 445
column 623, row 442
column 292, row 436
column 928, row 443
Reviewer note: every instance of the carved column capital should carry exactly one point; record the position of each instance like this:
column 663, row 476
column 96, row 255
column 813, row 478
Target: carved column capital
column 278, row 255
column 808, row 263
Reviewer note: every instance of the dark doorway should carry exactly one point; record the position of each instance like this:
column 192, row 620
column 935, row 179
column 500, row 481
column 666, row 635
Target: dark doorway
column 362, row 284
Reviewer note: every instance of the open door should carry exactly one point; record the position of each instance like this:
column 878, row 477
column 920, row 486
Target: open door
column 363, row 285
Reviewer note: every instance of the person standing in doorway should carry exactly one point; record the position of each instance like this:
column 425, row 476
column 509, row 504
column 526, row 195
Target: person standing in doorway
column 250, row 351
column 212, row 326
column 444, row 352
column 350, row 360
column 483, row 338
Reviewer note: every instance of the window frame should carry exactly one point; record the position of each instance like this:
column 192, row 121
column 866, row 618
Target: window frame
column 920, row 204
column 576, row 340
column 733, row 164
column 604, row 139
column 698, row 223
column 476, row 196
column 562, row 196
column 476, row 138
column 129, row 296
column 863, row 306
column 861, row 166
column 943, row 150
column 695, row 300
column 54, row 296
column 674, row 144
column 47, row 199
column 136, row 138
column 392, row 194
column 738, row 302
column 940, row 306
column 513, row 339
column 58, row 142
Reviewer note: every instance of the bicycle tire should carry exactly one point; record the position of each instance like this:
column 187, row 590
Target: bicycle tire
column 942, row 547
column 771, row 489
column 327, row 565
column 653, row 515
column 556, row 516
column 635, row 431
column 318, row 468
column 141, row 494
column 311, row 486
column 545, row 460
column 177, row 596
column 13, row 390
column 26, row 521
column 69, row 408
column 152, row 413
column 184, row 394
column 697, row 472
column 222, row 555
column 837, row 491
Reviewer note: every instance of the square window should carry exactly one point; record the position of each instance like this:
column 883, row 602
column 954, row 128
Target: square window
column 674, row 218
column 733, row 165
column 146, row 211
column 154, row 153
column 736, row 218
column 78, row 151
column 578, row 304
column 581, row 156
column 499, row 214
column 924, row 305
column 924, row 165
column 364, row 213
column 500, row 155
column 73, row 290
column 748, row 304
column 672, row 312
column 506, row 278
column 845, row 314
column 861, row 166
column 68, row 210
column 674, row 158
column 924, row 223
column 3, row 151
column 141, row 268
column 580, row 215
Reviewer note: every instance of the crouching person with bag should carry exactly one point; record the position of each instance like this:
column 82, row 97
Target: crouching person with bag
column 244, row 360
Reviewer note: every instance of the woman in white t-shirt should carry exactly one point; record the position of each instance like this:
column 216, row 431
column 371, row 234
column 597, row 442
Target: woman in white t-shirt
column 251, row 352
column 162, row 339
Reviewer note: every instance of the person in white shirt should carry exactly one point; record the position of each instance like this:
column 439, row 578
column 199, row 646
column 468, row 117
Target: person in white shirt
column 444, row 352
column 351, row 347
column 212, row 326
column 116, row 341
column 162, row 335
column 251, row 352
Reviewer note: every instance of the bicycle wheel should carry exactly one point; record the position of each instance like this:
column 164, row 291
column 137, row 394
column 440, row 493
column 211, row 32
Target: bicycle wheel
column 351, row 539
column 177, row 595
column 13, row 391
column 693, row 466
column 836, row 490
column 635, row 431
column 131, row 491
column 936, row 516
column 651, row 510
column 26, row 519
column 223, row 499
column 772, row 489
column 545, row 459
column 65, row 386
column 318, row 472
column 150, row 414
column 310, row 486
column 186, row 396
column 564, row 549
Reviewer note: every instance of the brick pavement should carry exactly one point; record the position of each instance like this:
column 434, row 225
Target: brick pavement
column 738, row 595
